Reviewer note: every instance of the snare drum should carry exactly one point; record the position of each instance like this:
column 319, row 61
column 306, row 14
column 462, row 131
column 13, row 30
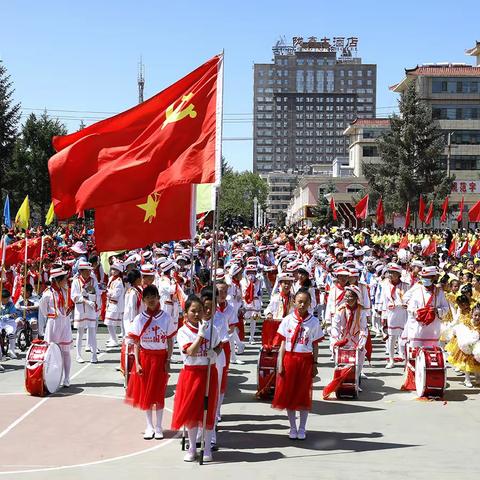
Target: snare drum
column 430, row 372
column 267, row 372
column 346, row 358
column 269, row 333
column 43, row 368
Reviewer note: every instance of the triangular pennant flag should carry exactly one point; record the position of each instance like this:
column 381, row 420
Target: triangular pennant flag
column 333, row 208
column 7, row 219
column 421, row 209
column 464, row 249
column 460, row 213
column 403, row 242
column 475, row 248
column 22, row 218
column 431, row 249
column 407, row 217
column 380, row 213
column 361, row 208
column 443, row 218
column 429, row 216
column 453, row 248
column 474, row 213
column 50, row 215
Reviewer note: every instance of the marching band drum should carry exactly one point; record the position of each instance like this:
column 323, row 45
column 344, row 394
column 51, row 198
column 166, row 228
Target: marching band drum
column 346, row 364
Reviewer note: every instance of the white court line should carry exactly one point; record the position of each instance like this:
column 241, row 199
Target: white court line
column 40, row 403
column 98, row 462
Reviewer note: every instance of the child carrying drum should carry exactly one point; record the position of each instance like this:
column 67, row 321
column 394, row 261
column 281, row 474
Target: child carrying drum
column 300, row 333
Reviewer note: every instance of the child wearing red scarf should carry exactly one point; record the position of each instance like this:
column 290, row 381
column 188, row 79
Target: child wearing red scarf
column 152, row 331
column 300, row 333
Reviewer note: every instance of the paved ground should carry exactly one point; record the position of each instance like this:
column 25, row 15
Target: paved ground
column 87, row 432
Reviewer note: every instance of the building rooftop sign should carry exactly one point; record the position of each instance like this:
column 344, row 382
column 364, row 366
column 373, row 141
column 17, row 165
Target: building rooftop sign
column 345, row 47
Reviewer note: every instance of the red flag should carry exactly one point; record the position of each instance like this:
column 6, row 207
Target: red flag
column 475, row 248
column 443, row 218
column 460, row 214
column 15, row 252
column 333, row 208
column 453, row 248
column 154, row 218
column 464, row 249
column 429, row 217
column 431, row 249
column 421, row 209
column 403, row 242
column 407, row 217
column 474, row 213
column 171, row 139
column 361, row 208
column 380, row 213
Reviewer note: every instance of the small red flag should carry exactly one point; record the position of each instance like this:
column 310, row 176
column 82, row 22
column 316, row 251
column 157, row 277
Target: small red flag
column 460, row 213
column 464, row 249
column 333, row 208
column 170, row 139
column 160, row 217
column 407, row 216
column 429, row 217
column 474, row 213
column 431, row 249
column 361, row 208
column 443, row 218
column 403, row 242
column 452, row 248
column 380, row 213
column 15, row 252
column 475, row 248
column 421, row 209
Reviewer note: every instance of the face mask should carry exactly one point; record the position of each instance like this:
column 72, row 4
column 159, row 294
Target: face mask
column 427, row 282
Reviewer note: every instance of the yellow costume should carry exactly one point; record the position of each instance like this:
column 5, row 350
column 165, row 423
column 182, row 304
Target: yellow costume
column 459, row 359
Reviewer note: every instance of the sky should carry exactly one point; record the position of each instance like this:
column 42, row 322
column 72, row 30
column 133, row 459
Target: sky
column 79, row 60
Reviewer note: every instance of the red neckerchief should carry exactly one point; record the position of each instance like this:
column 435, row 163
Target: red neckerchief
column 151, row 315
column 236, row 282
column 61, row 298
column 298, row 327
column 250, row 292
column 191, row 327
column 286, row 303
column 340, row 297
column 394, row 289
column 112, row 279
column 222, row 307
column 84, row 282
column 139, row 296
column 351, row 316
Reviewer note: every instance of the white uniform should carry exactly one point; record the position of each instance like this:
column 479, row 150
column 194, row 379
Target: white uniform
column 115, row 301
column 133, row 307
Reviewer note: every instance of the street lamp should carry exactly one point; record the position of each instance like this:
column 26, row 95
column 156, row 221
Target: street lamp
column 255, row 212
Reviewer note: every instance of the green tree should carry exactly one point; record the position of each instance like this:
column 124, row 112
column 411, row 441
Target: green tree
column 410, row 159
column 27, row 174
column 323, row 213
column 237, row 192
column 9, row 117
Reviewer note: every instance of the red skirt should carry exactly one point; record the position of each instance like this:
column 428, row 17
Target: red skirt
column 227, row 351
column 293, row 389
column 190, row 394
column 146, row 390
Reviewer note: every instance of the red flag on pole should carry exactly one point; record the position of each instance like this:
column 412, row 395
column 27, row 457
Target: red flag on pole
column 460, row 214
column 431, row 249
column 171, row 139
column 421, row 209
column 403, row 242
column 333, row 208
column 464, row 249
column 361, row 208
column 475, row 248
column 380, row 213
column 429, row 217
column 407, row 217
column 452, row 248
column 474, row 213
column 443, row 218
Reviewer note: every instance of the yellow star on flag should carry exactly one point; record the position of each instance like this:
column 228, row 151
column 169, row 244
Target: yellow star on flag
column 150, row 207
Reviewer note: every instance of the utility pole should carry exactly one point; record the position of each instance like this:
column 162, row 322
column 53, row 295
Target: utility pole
column 449, row 152
column 141, row 80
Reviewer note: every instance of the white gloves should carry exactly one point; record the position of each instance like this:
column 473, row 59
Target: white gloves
column 211, row 354
column 203, row 330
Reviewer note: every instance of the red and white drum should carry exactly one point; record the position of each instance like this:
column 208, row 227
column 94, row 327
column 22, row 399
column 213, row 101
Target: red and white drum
column 430, row 372
column 267, row 372
column 43, row 368
column 346, row 364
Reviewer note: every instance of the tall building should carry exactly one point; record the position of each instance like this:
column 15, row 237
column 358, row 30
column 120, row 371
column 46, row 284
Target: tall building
column 305, row 99
column 453, row 92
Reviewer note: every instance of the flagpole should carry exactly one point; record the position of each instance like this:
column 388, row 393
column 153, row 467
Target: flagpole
column 214, row 252
column 40, row 267
column 2, row 269
column 25, row 277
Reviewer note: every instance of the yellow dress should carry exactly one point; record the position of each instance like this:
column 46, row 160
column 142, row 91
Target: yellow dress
column 458, row 359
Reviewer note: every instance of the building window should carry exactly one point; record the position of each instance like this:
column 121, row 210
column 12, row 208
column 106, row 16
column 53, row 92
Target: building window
column 355, row 188
column 466, row 112
column 451, row 85
column 464, row 137
column 370, row 151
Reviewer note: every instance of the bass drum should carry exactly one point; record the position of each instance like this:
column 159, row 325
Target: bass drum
column 346, row 364
column 430, row 372
column 267, row 373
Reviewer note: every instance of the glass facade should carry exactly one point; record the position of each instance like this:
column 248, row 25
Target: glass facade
column 455, row 85
column 455, row 112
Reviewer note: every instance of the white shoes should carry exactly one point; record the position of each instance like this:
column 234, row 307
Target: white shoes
column 158, row 434
column 302, row 434
column 207, row 458
column 238, row 362
column 11, row 354
column 390, row 364
column 190, row 457
column 149, row 434
column 112, row 343
column 80, row 360
column 293, row 434
column 66, row 383
column 94, row 360
column 1, row 368
column 468, row 384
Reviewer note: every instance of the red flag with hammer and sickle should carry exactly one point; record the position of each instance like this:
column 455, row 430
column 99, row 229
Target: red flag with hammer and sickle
column 170, row 139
